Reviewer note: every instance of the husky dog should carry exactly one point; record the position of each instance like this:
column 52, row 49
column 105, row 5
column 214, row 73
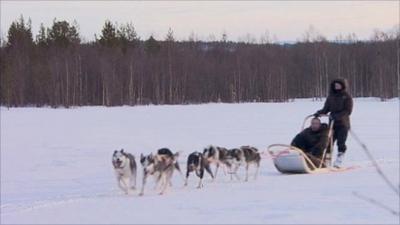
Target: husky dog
column 215, row 155
column 252, row 156
column 168, row 153
column 234, row 159
column 196, row 163
column 125, row 170
column 161, row 165
column 244, row 155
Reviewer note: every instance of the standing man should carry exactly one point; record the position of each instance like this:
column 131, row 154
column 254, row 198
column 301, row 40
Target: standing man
column 339, row 104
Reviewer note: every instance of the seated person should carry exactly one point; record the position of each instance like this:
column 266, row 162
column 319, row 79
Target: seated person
column 313, row 140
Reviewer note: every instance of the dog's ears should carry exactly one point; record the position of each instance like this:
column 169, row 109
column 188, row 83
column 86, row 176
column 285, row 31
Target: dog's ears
column 115, row 151
column 122, row 150
column 141, row 155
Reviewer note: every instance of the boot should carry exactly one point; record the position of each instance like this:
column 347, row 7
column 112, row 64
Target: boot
column 339, row 160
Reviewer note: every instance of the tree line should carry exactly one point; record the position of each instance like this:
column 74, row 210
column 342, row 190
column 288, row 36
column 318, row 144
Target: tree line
column 57, row 68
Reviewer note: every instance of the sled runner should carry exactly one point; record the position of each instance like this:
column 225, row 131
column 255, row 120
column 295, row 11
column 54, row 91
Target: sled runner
column 289, row 159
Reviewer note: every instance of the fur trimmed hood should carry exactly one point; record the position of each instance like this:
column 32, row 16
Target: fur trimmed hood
column 341, row 81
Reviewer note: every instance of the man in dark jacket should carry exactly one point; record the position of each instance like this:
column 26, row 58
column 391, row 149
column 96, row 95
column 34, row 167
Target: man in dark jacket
column 340, row 105
column 313, row 140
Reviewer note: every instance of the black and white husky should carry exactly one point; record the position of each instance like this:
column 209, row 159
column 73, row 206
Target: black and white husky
column 244, row 155
column 125, row 170
column 215, row 155
column 197, row 163
column 160, row 165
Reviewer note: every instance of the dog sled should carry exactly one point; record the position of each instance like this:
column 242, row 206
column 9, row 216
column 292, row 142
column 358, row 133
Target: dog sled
column 290, row 160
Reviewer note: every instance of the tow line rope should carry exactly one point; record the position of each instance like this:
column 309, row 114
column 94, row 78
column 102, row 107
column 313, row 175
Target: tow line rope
column 375, row 164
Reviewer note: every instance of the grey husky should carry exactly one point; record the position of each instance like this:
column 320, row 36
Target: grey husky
column 160, row 165
column 245, row 155
column 125, row 170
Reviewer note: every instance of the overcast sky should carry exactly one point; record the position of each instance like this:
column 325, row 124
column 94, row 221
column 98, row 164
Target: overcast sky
column 287, row 20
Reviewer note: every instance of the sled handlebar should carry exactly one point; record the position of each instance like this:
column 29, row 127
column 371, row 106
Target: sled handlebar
column 311, row 116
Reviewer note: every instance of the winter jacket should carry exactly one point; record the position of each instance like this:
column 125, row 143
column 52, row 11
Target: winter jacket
column 313, row 142
column 339, row 104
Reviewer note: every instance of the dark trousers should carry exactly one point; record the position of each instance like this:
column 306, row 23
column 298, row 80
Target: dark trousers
column 340, row 136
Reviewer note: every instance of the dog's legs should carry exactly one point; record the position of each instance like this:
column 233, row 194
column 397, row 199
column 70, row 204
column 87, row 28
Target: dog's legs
column 143, row 184
column 170, row 183
column 161, row 183
column 231, row 173
column 167, row 179
column 124, row 184
column 201, row 174
column 157, row 181
column 120, row 184
column 126, row 181
column 208, row 169
column 156, row 178
column 165, row 183
column 187, row 177
column 224, row 168
column 247, row 172
column 133, row 180
column 257, row 171
column 200, row 183
column 216, row 170
column 235, row 171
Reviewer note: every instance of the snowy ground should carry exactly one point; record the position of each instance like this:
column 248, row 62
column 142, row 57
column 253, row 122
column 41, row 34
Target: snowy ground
column 56, row 165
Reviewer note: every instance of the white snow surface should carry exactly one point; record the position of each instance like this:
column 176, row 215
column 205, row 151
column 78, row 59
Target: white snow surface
column 56, row 165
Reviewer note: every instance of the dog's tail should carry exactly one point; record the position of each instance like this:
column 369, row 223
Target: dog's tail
column 177, row 154
column 176, row 163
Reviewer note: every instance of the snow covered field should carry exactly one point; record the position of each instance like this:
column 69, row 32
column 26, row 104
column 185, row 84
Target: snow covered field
column 56, row 165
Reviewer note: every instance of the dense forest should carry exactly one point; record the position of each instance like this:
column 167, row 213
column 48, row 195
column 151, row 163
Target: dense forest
column 56, row 68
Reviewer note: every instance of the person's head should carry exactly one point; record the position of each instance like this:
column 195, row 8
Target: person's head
column 338, row 86
column 315, row 124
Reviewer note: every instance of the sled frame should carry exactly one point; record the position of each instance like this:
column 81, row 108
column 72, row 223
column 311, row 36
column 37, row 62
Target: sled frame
column 275, row 155
column 309, row 166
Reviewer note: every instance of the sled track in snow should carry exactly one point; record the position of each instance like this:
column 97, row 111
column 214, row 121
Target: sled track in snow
column 10, row 208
